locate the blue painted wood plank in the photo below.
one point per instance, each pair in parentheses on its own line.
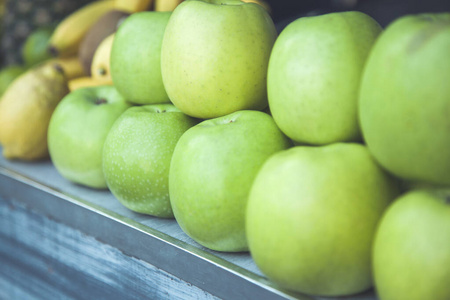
(44,259)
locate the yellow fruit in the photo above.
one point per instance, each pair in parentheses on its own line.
(100,67)
(71,66)
(82,82)
(166,5)
(133,6)
(25,111)
(69,33)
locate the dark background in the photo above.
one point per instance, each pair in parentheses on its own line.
(383,11)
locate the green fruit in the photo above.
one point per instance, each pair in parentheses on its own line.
(212,169)
(137,154)
(34,50)
(312,215)
(214,57)
(78,129)
(314,75)
(405,98)
(411,254)
(136,58)
(8,75)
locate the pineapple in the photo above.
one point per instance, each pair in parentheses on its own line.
(21,17)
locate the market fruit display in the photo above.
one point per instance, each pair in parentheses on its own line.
(312,214)
(77,132)
(405,97)
(206,76)
(314,75)
(136,58)
(411,251)
(25,111)
(319,153)
(137,155)
(226,153)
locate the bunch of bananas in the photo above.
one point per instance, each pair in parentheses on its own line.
(68,37)
(69,33)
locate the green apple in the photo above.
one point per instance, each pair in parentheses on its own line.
(214,57)
(137,154)
(212,169)
(312,215)
(314,75)
(136,58)
(35,46)
(405,98)
(78,129)
(411,255)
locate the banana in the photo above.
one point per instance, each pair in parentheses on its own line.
(166,5)
(83,82)
(69,33)
(71,66)
(100,67)
(132,6)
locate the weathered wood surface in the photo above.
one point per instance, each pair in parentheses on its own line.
(44,259)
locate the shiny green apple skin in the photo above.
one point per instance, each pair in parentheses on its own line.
(212,169)
(78,129)
(136,58)
(314,75)
(411,255)
(312,215)
(137,154)
(405,97)
(215,55)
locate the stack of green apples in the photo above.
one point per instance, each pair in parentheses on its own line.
(322,151)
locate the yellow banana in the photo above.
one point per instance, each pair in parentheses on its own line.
(82,82)
(166,5)
(69,33)
(133,6)
(71,66)
(100,67)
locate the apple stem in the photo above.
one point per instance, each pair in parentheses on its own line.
(100,101)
